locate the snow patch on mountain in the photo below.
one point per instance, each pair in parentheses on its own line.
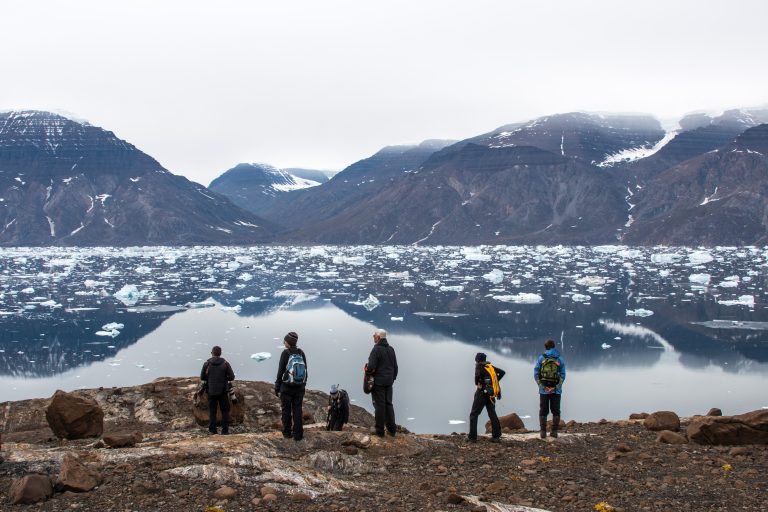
(636,153)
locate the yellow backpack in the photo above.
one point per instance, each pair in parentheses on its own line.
(491,383)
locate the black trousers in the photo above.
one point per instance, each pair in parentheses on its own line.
(383,409)
(222,402)
(481,401)
(337,421)
(290,402)
(550,402)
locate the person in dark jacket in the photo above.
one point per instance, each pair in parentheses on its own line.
(338,408)
(218,374)
(550,391)
(291,393)
(484,398)
(382,363)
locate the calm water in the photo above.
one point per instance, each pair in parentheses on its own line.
(640,329)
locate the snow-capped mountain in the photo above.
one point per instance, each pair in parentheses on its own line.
(64,182)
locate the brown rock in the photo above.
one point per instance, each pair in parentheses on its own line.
(224,493)
(510,421)
(358,440)
(236,410)
(351,450)
(638,415)
(454,499)
(122,440)
(749,428)
(669,437)
(623,448)
(74,476)
(496,487)
(300,496)
(715,412)
(662,420)
(30,489)
(739,451)
(267,490)
(71,416)
(270,497)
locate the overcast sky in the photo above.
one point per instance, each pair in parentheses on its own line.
(320,84)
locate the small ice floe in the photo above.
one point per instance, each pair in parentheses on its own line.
(702,279)
(113,326)
(456,422)
(112,332)
(664,258)
(139,365)
(520,298)
(261,356)
(729,282)
(605,346)
(495,276)
(578,297)
(699,258)
(432,282)
(410,419)
(113,364)
(526,417)
(251,299)
(129,295)
(399,275)
(235,309)
(370,303)
(50,304)
(29,290)
(591,281)
(208,303)
(744,300)
(457,288)
(639,312)
(396,319)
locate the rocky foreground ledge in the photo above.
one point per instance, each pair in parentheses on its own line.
(151,454)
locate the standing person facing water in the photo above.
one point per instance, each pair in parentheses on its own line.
(487,390)
(549,373)
(382,363)
(217,372)
(290,385)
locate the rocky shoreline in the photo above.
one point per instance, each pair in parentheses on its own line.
(152,455)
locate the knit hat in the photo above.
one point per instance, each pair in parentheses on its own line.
(292,338)
(334,389)
(480,357)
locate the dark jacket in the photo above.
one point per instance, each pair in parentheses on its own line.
(217,371)
(281,367)
(382,363)
(480,373)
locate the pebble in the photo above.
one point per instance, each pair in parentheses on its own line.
(225,493)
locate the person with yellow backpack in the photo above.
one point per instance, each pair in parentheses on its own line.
(487,379)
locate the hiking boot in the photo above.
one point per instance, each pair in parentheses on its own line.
(213,432)
(471,439)
(555,425)
(543,427)
(392,433)
(225,432)
(495,439)
(287,436)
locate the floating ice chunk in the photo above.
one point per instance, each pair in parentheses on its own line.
(520,298)
(578,297)
(702,279)
(143,269)
(251,299)
(318,251)
(730,282)
(591,281)
(351,260)
(744,300)
(113,333)
(399,275)
(639,312)
(370,303)
(665,258)
(396,319)
(112,326)
(605,346)
(699,258)
(432,282)
(457,288)
(29,290)
(456,422)
(475,254)
(261,356)
(129,294)
(208,303)
(51,304)
(495,276)
(235,309)
(245,276)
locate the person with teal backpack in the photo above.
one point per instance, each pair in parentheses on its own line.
(549,373)
(290,385)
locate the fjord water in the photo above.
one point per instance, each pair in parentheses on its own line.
(641,329)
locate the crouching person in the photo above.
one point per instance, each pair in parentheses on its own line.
(338,408)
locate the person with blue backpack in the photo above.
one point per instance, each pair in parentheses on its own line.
(290,385)
(549,373)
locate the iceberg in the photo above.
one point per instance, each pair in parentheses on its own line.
(639,312)
(744,300)
(702,279)
(578,297)
(370,303)
(208,303)
(495,276)
(520,298)
(129,295)
(261,356)
(605,346)
(113,326)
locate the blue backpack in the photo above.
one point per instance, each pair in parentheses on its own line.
(295,370)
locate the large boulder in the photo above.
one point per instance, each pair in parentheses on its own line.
(662,420)
(749,428)
(236,411)
(30,489)
(75,476)
(72,416)
(510,421)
